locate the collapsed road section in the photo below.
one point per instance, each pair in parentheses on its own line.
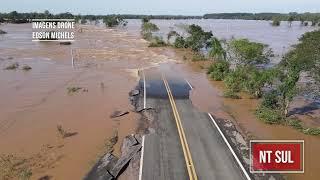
(176,141)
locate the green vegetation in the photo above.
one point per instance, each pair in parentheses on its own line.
(216,50)
(231,94)
(240,73)
(244,56)
(243,52)
(275,104)
(312,131)
(293,16)
(219,70)
(157,42)
(179,42)
(113,21)
(172,34)
(276,21)
(234,80)
(290,20)
(304,57)
(15,17)
(197,38)
(147,30)
(296,124)
(269,116)
(270,100)
(198,57)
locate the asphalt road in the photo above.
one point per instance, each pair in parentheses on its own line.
(166,149)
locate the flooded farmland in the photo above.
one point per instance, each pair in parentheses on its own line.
(106,63)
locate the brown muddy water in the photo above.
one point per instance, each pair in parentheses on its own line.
(33,103)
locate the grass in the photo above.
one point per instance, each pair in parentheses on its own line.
(12,66)
(312,131)
(231,94)
(296,124)
(198,57)
(272,116)
(268,115)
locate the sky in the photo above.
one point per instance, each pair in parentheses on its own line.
(172,7)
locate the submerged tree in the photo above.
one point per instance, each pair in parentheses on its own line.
(198,38)
(147,28)
(290,20)
(172,33)
(216,50)
(113,21)
(243,52)
(304,57)
(180,42)
(276,21)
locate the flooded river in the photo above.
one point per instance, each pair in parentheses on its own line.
(34,102)
(280,39)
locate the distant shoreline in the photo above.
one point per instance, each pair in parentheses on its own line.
(293,16)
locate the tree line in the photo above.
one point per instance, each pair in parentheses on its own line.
(294,16)
(16,17)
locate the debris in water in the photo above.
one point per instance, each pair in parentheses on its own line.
(65,43)
(134,92)
(13,66)
(63,133)
(26,68)
(2,32)
(76,89)
(46,177)
(118,114)
(143,109)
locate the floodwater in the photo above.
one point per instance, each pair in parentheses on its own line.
(33,103)
(280,39)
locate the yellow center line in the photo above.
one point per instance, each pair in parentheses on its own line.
(185,148)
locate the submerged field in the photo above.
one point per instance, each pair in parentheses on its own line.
(34,102)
